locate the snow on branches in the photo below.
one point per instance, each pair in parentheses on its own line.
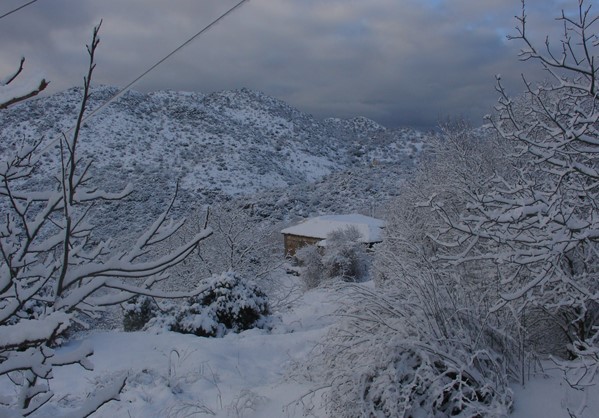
(539,224)
(14,90)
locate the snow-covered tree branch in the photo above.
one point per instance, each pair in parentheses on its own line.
(13,92)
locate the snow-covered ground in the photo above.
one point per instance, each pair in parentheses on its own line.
(548,395)
(177,375)
(250,374)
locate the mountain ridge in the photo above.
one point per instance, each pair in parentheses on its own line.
(221,145)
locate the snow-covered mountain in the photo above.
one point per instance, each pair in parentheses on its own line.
(229,143)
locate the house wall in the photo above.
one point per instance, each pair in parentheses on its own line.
(295,242)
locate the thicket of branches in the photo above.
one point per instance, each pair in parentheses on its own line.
(54,273)
(243,241)
(544,221)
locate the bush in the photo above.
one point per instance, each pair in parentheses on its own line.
(312,269)
(383,359)
(228,304)
(343,258)
(137,312)
(412,380)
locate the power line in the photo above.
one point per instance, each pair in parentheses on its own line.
(180,47)
(17,9)
(146,72)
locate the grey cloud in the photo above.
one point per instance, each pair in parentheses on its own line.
(400,62)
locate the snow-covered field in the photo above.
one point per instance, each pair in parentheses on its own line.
(175,375)
(251,374)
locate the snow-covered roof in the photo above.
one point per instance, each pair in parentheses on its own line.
(321,226)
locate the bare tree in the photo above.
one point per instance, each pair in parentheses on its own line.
(477,242)
(242,242)
(54,273)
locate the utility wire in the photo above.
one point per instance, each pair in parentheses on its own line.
(142,75)
(180,47)
(17,9)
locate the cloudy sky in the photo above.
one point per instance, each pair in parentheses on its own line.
(399,62)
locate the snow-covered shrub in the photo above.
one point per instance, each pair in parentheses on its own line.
(311,268)
(344,256)
(413,380)
(228,303)
(164,318)
(425,343)
(137,312)
(414,262)
(385,360)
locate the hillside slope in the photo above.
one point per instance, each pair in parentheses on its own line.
(234,142)
(230,144)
